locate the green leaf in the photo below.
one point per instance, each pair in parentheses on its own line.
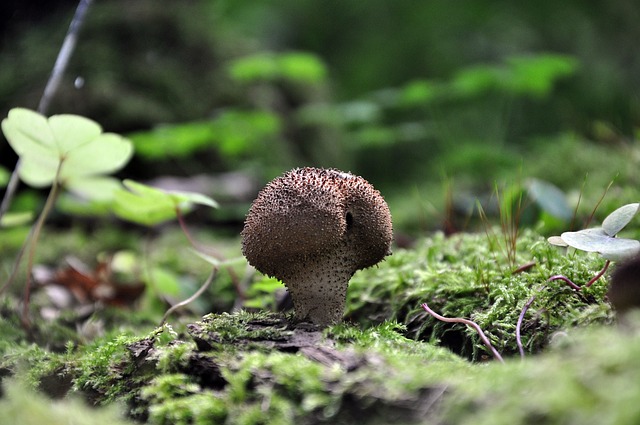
(234,132)
(72,131)
(536,74)
(12,219)
(104,154)
(72,143)
(4,177)
(163,281)
(419,92)
(95,188)
(299,67)
(550,199)
(28,133)
(302,67)
(618,219)
(595,240)
(148,205)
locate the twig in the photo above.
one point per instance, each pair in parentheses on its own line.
(203,249)
(199,292)
(50,89)
(467,322)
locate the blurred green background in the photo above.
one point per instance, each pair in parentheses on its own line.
(437,103)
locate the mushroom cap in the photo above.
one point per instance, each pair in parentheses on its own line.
(309,214)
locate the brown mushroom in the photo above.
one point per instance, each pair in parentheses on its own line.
(313,229)
(624,288)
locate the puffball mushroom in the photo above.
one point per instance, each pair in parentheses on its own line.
(624,288)
(312,229)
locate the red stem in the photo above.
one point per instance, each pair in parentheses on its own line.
(519,324)
(467,322)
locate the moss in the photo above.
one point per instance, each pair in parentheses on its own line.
(22,405)
(591,377)
(176,399)
(469,275)
(221,331)
(394,366)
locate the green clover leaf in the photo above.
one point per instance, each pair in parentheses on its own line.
(71,146)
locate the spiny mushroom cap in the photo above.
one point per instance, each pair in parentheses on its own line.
(313,228)
(312,213)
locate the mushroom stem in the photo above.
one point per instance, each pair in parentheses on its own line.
(319,294)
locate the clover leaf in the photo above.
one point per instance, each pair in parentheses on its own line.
(603,239)
(70,146)
(148,205)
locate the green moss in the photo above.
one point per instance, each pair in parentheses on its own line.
(176,399)
(388,363)
(22,405)
(221,331)
(469,275)
(591,377)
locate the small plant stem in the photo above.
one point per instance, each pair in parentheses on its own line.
(566,280)
(588,284)
(33,242)
(519,324)
(467,322)
(50,89)
(199,292)
(593,212)
(575,210)
(569,282)
(199,247)
(599,274)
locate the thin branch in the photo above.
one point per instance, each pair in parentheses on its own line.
(467,322)
(68,45)
(239,288)
(199,292)
(50,89)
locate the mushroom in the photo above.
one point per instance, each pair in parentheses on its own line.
(624,288)
(312,229)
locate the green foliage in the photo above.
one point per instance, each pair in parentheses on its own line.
(532,75)
(298,67)
(146,205)
(234,133)
(261,293)
(68,149)
(4,177)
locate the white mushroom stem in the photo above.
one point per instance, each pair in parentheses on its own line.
(318,287)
